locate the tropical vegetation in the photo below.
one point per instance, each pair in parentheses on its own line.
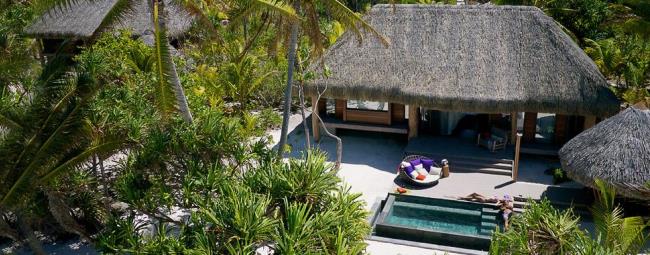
(137,149)
(544,229)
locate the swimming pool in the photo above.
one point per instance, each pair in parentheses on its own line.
(437,221)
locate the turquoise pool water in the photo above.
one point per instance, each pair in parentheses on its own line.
(438,221)
(453,220)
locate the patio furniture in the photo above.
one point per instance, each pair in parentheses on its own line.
(430,179)
(497,139)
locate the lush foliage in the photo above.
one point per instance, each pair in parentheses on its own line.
(17,63)
(93,146)
(543,229)
(299,209)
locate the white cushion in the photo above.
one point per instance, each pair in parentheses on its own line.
(435,170)
(429,179)
(414,174)
(420,169)
(432,178)
(405,164)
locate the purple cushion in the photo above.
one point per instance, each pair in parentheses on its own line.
(427,163)
(415,162)
(409,169)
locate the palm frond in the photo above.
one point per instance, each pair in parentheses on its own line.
(278,7)
(120,10)
(624,235)
(39,157)
(352,20)
(43,6)
(195,10)
(8,122)
(80,158)
(51,142)
(169,92)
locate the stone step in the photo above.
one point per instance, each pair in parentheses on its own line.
(489,218)
(439,157)
(474,165)
(504,166)
(488,228)
(489,170)
(436,208)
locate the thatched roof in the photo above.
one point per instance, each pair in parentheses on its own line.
(82,19)
(617,150)
(467,58)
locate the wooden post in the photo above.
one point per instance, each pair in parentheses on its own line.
(314,119)
(515,167)
(397,111)
(339,108)
(560,128)
(590,121)
(530,126)
(513,127)
(414,119)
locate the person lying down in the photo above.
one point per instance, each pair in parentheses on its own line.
(506,205)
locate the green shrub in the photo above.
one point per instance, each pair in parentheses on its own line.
(560,176)
(540,229)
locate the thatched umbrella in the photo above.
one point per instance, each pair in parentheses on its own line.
(489,59)
(83,18)
(617,150)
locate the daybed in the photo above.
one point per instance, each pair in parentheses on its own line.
(433,170)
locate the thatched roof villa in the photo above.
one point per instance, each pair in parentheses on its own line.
(82,20)
(617,150)
(472,59)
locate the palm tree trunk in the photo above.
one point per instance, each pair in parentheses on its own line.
(61,213)
(293,44)
(301,94)
(304,119)
(102,176)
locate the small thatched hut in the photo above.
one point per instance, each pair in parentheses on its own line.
(472,59)
(617,150)
(83,18)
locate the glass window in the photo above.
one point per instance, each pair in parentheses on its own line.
(367,105)
(545,128)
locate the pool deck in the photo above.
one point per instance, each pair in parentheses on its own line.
(369,166)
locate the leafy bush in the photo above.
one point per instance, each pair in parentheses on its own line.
(300,209)
(559,176)
(268,118)
(542,229)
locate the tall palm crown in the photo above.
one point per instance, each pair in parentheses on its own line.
(49,134)
(294,16)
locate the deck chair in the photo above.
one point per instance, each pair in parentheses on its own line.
(497,140)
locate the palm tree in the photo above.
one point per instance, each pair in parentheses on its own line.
(170,96)
(302,16)
(621,235)
(46,137)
